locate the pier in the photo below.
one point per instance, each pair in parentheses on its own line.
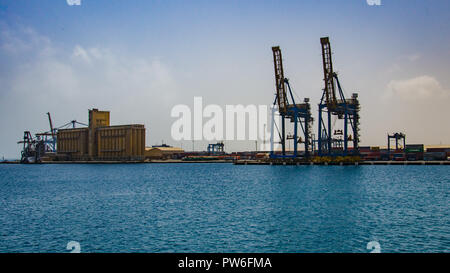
(255,162)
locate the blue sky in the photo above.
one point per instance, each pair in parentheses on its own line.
(140,58)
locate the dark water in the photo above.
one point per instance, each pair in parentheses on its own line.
(224,208)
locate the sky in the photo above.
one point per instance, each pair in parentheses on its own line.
(138,59)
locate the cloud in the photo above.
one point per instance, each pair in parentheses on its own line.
(80,52)
(41,68)
(403,63)
(419,88)
(22,40)
(66,81)
(413,57)
(418,107)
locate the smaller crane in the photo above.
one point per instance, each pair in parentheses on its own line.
(216,148)
(396,137)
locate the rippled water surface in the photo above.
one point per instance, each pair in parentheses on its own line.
(224,208)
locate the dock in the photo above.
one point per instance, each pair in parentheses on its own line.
(243,162)
(256,162)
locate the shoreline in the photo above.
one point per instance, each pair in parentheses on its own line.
(243,162)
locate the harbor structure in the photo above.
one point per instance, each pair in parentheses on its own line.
(101,141)
(297,113)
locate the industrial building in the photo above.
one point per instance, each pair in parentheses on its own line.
(101,141)
(163,152)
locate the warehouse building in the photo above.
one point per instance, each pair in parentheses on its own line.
(163,152)
(101,141)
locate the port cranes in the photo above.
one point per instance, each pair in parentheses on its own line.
(216,148)
(35,148)
(299,114)
(32,148)
(334,104)
(48,138)
(397,137)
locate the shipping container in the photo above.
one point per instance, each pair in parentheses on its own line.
(431,150)
(435,156)
(414,156)
(414,148)
(372,158)
(364,148)
(398,156)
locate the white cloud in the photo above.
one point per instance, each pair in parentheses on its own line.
(418,88)
(403,63)
(23,40)
(417,106)
(79,52)
(42,77)
(413,57)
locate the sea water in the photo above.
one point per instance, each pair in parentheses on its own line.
(211,207)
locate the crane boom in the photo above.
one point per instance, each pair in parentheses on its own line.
(330,89)
(279,80)
(51,125)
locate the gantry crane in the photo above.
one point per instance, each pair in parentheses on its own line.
(216,148)
(43,143)
(332,105)
(32,148)
(396,137)
(35,148)
(299,114)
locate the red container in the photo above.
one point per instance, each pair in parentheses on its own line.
(364,149)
